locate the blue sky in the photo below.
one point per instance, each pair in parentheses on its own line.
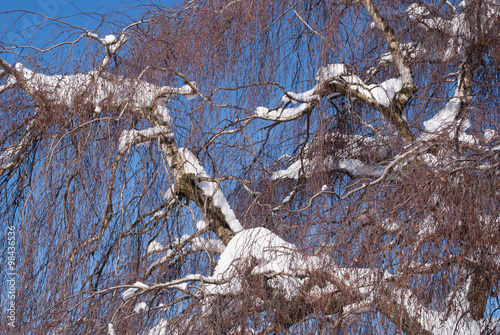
(67,7)
(69,11)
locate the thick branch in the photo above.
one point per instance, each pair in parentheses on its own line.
(408,88)
(187,186)
(393,45)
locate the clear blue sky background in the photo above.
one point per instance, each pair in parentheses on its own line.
(63,7)
(68,10)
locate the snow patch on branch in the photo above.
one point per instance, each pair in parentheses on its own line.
(305,167)
(154,246)
(446,117)
(382,94)
(457,322)
(210,189)
(293,97)
(129,293)
(160,328)
(140,306)
(267,254)
(282,113)
(132,137)
(109,39)
(456,33)
(95,88)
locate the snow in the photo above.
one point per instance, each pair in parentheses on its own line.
(282,113)
(416,11)
(268,254)
(261,111)
(161,260)
(187,88)
(330,72)
(158,214)
(162,110)
(445,117)
(269,251)
(456,321)
(111,329)
(430,160)
(129,137)
(160,328)
(209,245)
(307,96)
(9,155)
(170,193)
(201,224)
(154,246)
(129,293)
(210,189)
(353,166)
(140,306)
(293,171)
(385,93)
(382,94)
(182,287)
(490,134)
(108,39)
(67,90)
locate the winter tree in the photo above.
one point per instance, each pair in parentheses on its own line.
(253,167)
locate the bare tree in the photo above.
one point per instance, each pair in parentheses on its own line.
(252,167)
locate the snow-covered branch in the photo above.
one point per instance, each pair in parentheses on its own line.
(468,24)
(259,252)
(93,88)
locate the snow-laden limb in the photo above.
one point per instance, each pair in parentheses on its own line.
(381,94)
(444,118)
(389,97)
(132,137)
(301,104)
(283,114)
(182,246)
(468,24)
(267,254)
(259,252)
(211,189)
(154,246)
(456,320)
(376,94)
(286,268)
(129,293)
(305,167)
(449,119)
(94,88)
